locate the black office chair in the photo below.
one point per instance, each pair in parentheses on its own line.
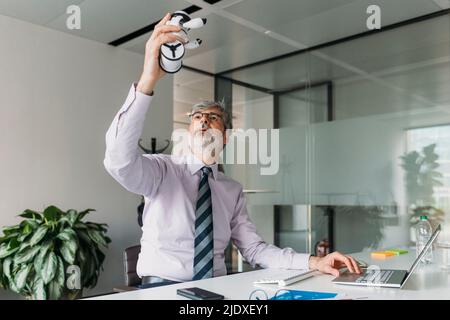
(132,280)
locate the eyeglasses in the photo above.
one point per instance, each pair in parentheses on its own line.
(281,294)
(211,116)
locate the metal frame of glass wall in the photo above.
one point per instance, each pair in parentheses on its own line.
(223,90)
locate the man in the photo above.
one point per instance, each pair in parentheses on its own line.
(191,209)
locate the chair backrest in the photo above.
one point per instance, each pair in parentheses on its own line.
(130,257)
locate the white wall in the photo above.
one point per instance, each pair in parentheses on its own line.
(58,95)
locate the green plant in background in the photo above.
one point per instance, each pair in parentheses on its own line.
(36,254)
(366,223)
(421,178)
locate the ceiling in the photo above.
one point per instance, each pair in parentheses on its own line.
(240,32)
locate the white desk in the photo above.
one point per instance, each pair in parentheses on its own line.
(428,282)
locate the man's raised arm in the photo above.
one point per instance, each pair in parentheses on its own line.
(138,174)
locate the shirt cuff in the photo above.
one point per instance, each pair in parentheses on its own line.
(138,92)
(135,97)
(144,98)
(140,102)
(301,261)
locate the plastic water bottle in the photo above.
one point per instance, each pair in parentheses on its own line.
(423,234)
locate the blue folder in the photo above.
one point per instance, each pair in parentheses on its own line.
(303,295)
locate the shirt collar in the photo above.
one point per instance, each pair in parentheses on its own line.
(194,165)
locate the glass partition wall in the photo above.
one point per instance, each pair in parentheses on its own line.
(364,140)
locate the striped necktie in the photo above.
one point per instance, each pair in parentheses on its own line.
(204,240)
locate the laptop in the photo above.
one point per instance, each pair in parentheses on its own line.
(385,277)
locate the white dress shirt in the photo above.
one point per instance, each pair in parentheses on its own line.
(170,190)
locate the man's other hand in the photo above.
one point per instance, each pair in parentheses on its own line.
(332,262)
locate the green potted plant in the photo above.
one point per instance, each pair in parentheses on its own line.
(421,177)
(53,254)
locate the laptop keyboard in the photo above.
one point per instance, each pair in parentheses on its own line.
(376,276)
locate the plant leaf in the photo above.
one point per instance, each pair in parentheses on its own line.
(23,246)
(68,250)
(22,238)
(26,229)
(94,278)
(3,278)
(11,236)
(15,268)
(80,225)
(82,235)
(38,260)
(67,234)
(49,267)
(7,267)
(52,213)
(39,289)
(38,235)
(13,287)
(81,256)
(83,213)
(101,257)
(82,260)
(88,269)
(54,290)
(93,225)
(103,229)
(89,274)
(60,274)
(30,214)
(25,256)
(97,237)
(13,243)
(5,249)
(93,256)
(72,216)
(10,230)
(21,276)
(33,224)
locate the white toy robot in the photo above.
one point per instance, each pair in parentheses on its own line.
(171,53)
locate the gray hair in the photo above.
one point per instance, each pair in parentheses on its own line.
(205,104)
